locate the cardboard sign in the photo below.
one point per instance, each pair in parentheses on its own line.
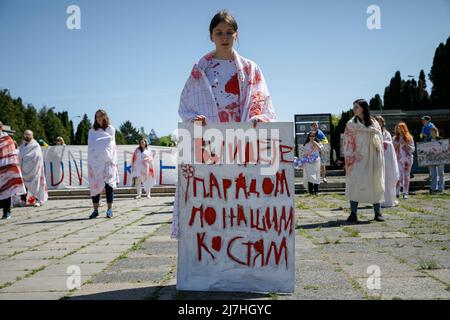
(433,153)
(236,221)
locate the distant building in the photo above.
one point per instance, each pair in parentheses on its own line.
(439,117)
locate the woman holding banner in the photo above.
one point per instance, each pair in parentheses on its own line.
(364,161)
(143,168)
(404,149)
(102,162)
(310,161)
(391,172)
(437,171)
(224,86)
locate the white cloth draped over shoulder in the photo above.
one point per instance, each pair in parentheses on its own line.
(142,166)
(11,181)
(391,171)
(32,167)
(102,160)
(364,162)
(310,162)
(197,98)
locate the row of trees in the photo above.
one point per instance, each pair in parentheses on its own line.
(48,125)
(412,94)
(408,94)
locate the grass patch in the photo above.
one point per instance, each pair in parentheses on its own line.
(351,232)
(315,288)
(272,296)
(429,264)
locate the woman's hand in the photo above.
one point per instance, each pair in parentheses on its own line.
(201,119)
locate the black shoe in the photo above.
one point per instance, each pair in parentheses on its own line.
(352,218)
(94,215)
(6,216)
(378,217)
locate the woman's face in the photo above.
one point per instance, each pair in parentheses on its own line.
(99,118)
(357,110)
(223,36)
(312,136)
(142,144)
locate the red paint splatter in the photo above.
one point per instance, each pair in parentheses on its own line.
(232,85)
(217,243)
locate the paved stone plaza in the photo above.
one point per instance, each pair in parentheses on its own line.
(132,256)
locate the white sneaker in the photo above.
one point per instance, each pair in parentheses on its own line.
(137,197)
(405,196)
(37,204)
(149,196)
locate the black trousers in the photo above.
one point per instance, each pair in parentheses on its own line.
(109,195)
(6,205)
(313,188)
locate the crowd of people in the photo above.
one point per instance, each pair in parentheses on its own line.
(22,172)
(224,87)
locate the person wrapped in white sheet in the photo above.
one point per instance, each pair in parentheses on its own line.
(310,162)
(364,161)
(32,166)
(102,162)
(224,87)
(11,181)
(143,168)
(391,172)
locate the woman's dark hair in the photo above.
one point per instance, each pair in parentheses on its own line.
(365,106)
(223,16)
(309,135)
(105,122)
(146,143)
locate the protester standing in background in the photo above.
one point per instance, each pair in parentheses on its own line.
(404,149)
(437,171)
(143,168)
(391,172)
(32,165)
(11,181)
(102,162)
(310,162)
(60,141)
(323,140)
(364,161)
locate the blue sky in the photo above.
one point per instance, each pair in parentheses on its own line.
(133,57)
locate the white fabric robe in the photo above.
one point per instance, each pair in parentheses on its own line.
(11,180)
(142,166)
(32,166)
(102,160)
(311,169)
(391,172)
(364,162)
(197,99)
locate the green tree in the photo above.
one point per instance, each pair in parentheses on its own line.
(393,93)
(34,123)
(130,133)
(68,125)
(52,125)
(424,97)
(376,103)
(120,139)
(440,76)
(153,138)
(81,135)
